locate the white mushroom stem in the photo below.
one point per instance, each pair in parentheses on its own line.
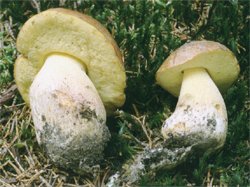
(68,113)
(200,116)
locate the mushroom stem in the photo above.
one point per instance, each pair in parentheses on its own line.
(200,116)
(68,113)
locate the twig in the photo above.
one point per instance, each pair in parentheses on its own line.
(146,132)
(4,183)
(136,110)
(24,174)
(34,177)
(29,159)
(19,165)
(36,5)
(18,171)
(44,181)
(8,94)
(208,178)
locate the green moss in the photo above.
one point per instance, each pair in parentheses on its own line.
(147,32)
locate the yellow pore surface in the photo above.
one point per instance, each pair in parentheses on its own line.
(77,35)
(215,58)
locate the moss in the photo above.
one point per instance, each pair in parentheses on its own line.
(146,32)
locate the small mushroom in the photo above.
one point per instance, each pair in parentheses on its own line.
(70,72)
(192,73)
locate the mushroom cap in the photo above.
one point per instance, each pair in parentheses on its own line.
(218,60)
(77,35)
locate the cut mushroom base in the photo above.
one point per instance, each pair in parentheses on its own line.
(200,116)
(68,114)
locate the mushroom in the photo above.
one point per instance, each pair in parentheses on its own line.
(71,73)
(192,73)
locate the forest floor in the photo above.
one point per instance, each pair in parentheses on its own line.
(146,32)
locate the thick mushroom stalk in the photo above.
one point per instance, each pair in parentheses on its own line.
(200,116)
(68,113)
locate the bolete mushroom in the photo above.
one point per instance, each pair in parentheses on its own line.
(70,70)
(192,73)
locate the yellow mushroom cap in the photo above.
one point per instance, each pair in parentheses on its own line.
(77,35)
(218,60)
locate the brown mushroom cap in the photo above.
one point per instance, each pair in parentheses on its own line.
(77,35)
(218,60)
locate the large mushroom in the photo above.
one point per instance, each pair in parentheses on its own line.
(70,72)
(192,73)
